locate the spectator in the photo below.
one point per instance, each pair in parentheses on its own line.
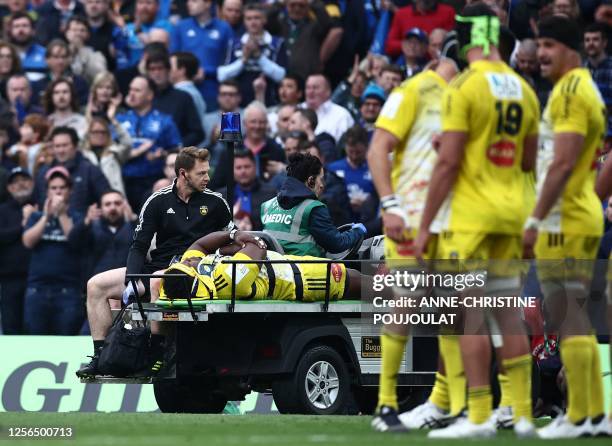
(11,7)
(231,12)
(208,38)
(91,182)
(54,280)
(603,13)
(249,192)
(568,8)
(290,92)
(62,108)
(229,101)
(101,150)
(53,17)
(436,40)
(347,38)
(599,64)
(332,118)
(21,35)
(423,14)
(348,92)
(105,35)
(106,233)
(282,124)
(183,70)
(255,54)
(58,59)
(353,169)
(305,120)
(265,151)
(391,76)
(14,257)
(19,95)
(371,104)
(306,27)
(414,47)
(169,173)
(373,65)
(153,135)
(86,62)
(103,94)
(171,101)
(528,67)
(138,32)
(10,64)
(32,132)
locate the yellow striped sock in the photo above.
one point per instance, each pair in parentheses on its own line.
(504,387)
(455,375)
(479,402)
(577,356)
(518,371)
(392,350)
(596,393)
(439,394)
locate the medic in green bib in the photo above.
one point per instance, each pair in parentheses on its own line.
(298,220)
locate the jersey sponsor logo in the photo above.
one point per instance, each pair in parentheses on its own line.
(214,34)
(336,272)
(170,211)
(502,153)
(504,86)
(154,126)
(391,107)
(406,248)
(203,210)
(277,218)
(191,33)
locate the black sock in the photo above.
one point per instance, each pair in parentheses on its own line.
(98,345)
(157,340)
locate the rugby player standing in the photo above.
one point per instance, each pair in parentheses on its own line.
(489,122)
(566,225)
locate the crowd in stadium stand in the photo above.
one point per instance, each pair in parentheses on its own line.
(96,97)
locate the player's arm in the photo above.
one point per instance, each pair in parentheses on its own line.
(452,148)
(530,143)
(603,187)
(217,240)
(530,153)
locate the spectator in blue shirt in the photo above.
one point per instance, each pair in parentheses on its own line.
(183,69)
(254,54)
(153,135)
(353,169)
(138,32)
(21,34)
(208,38)
(53,301)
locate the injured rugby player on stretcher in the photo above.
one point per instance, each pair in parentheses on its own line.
(201,266)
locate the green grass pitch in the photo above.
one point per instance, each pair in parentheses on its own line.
(156,429)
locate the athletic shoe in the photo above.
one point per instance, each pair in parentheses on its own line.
(425,416)
(502,416)
(464,428)
(562,427)
(524,428)
(386,420)
(91,369)
(601,428)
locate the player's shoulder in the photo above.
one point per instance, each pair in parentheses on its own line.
(464,78)
(578,82)
(212,196)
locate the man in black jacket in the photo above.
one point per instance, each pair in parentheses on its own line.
(249,192)
(173,102)
(14,257)
(177,215)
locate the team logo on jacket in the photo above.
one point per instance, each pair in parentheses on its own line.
(336,272)
(203,210)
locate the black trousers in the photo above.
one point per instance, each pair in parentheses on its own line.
(12,293)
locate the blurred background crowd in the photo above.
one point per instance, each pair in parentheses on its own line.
(97,96)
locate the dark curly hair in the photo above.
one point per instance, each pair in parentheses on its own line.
(302,166)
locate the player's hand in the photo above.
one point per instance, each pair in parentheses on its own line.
(128,294)
(420,244)
(360,227)
(529,240)
(243,238)
(393,226)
